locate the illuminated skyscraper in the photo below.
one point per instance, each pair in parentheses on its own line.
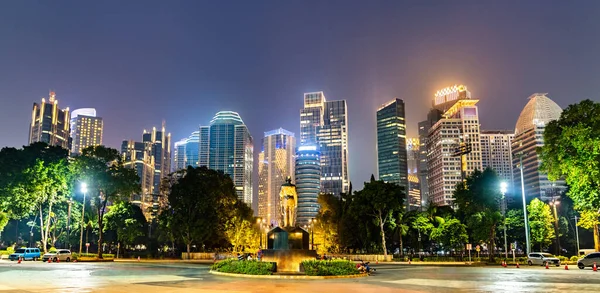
(187,151)
(86,129)
(391,144)
(414,186)
(496,154)
(529,135)
(308,182)
(161,151)
(275,164)
(226,145)
(325,124)
(457,130)
(50,124)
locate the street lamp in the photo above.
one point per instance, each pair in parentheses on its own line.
(577,234)
(503,188)
(528,250)
(554,203)
(312,223)
(84,190)
(261,222)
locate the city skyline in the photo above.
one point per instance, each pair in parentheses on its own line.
(494,58)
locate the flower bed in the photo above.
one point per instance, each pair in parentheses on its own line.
(246,267)
(329,267)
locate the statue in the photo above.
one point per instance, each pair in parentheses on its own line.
(288,199)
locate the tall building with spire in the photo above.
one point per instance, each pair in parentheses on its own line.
(86,129)
(226,145)
(453,142)
(392,159)
(529,135)
(50,124)
(275,163)
(325,124)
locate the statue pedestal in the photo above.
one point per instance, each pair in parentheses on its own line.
(288,247)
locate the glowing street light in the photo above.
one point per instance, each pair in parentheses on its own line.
(503,189)
(554,203)
(84,190)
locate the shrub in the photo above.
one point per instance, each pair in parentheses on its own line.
(5,252)
(562,258)
(329,268)
(245,267)
(574,258)
(91,255)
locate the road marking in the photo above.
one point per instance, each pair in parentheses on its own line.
(487,285)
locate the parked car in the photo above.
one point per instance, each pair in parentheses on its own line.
(542,258)
(25,253)
(589,260)
(61,254)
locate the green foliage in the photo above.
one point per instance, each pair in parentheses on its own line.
(245,267)
(574,258)
(127,220)
(329,268)
(477,201)
(451,234)
(3,220)
(572,151)
(540,223)
(76,255)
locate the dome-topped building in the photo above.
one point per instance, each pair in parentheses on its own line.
(529,135)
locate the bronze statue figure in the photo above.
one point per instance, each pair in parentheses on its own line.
(288,199)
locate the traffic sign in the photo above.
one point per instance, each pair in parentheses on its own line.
(477,248)
(87,244)
(469,246)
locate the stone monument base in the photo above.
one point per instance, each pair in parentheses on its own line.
(288,260)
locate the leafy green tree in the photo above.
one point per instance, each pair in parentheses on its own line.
(515,226)
(379,201)
(572,151)
(540,223)
(127,220)
(451,234)
(108,180)
(477,201)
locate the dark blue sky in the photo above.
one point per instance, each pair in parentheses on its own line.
(138,62)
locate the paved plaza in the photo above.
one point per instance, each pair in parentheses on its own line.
(195,277)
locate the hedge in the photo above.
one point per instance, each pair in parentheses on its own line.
(245,267)
(329,267)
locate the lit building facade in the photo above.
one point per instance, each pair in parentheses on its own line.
(86,129)
(50,124)
(458,127)
(413,146)
(529,135)
(392,162)
(187,151)
(308,182)
(226,145)
(275,163)
(138,156)
(161,151)
(496,154)
(413,196)
(325,124)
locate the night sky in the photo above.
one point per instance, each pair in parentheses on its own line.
(139,62)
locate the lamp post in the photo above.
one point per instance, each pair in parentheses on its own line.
(503,187)
(554,203)
(261,223)
(312,223)
(69,224)
(84,191)
(577,234)
(528,248)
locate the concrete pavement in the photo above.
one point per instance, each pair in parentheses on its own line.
(149,277)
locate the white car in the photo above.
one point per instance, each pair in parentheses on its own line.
(60,254)
(589,260)
(542,258)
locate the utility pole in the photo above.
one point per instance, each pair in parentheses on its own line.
(577,235)
(528,247)
(554,203)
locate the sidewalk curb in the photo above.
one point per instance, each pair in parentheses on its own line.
(288,277)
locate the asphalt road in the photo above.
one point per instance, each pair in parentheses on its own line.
(183,277)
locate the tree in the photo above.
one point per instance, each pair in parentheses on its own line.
(572,151)
(540,223)
(451,234)
(379,200)
(127,220)
(478,200)
(199,204)
(108,180)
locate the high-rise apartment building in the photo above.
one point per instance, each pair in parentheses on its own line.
(453,143)
(50,124)
(529,135)
(276,162)
(151,158)
(86,129)
(138,156)
(423,172)
(496,154)
(187,151)
(414,196)
(308,182)
(392,160)
(413,146)
(325,124)
(226,145)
